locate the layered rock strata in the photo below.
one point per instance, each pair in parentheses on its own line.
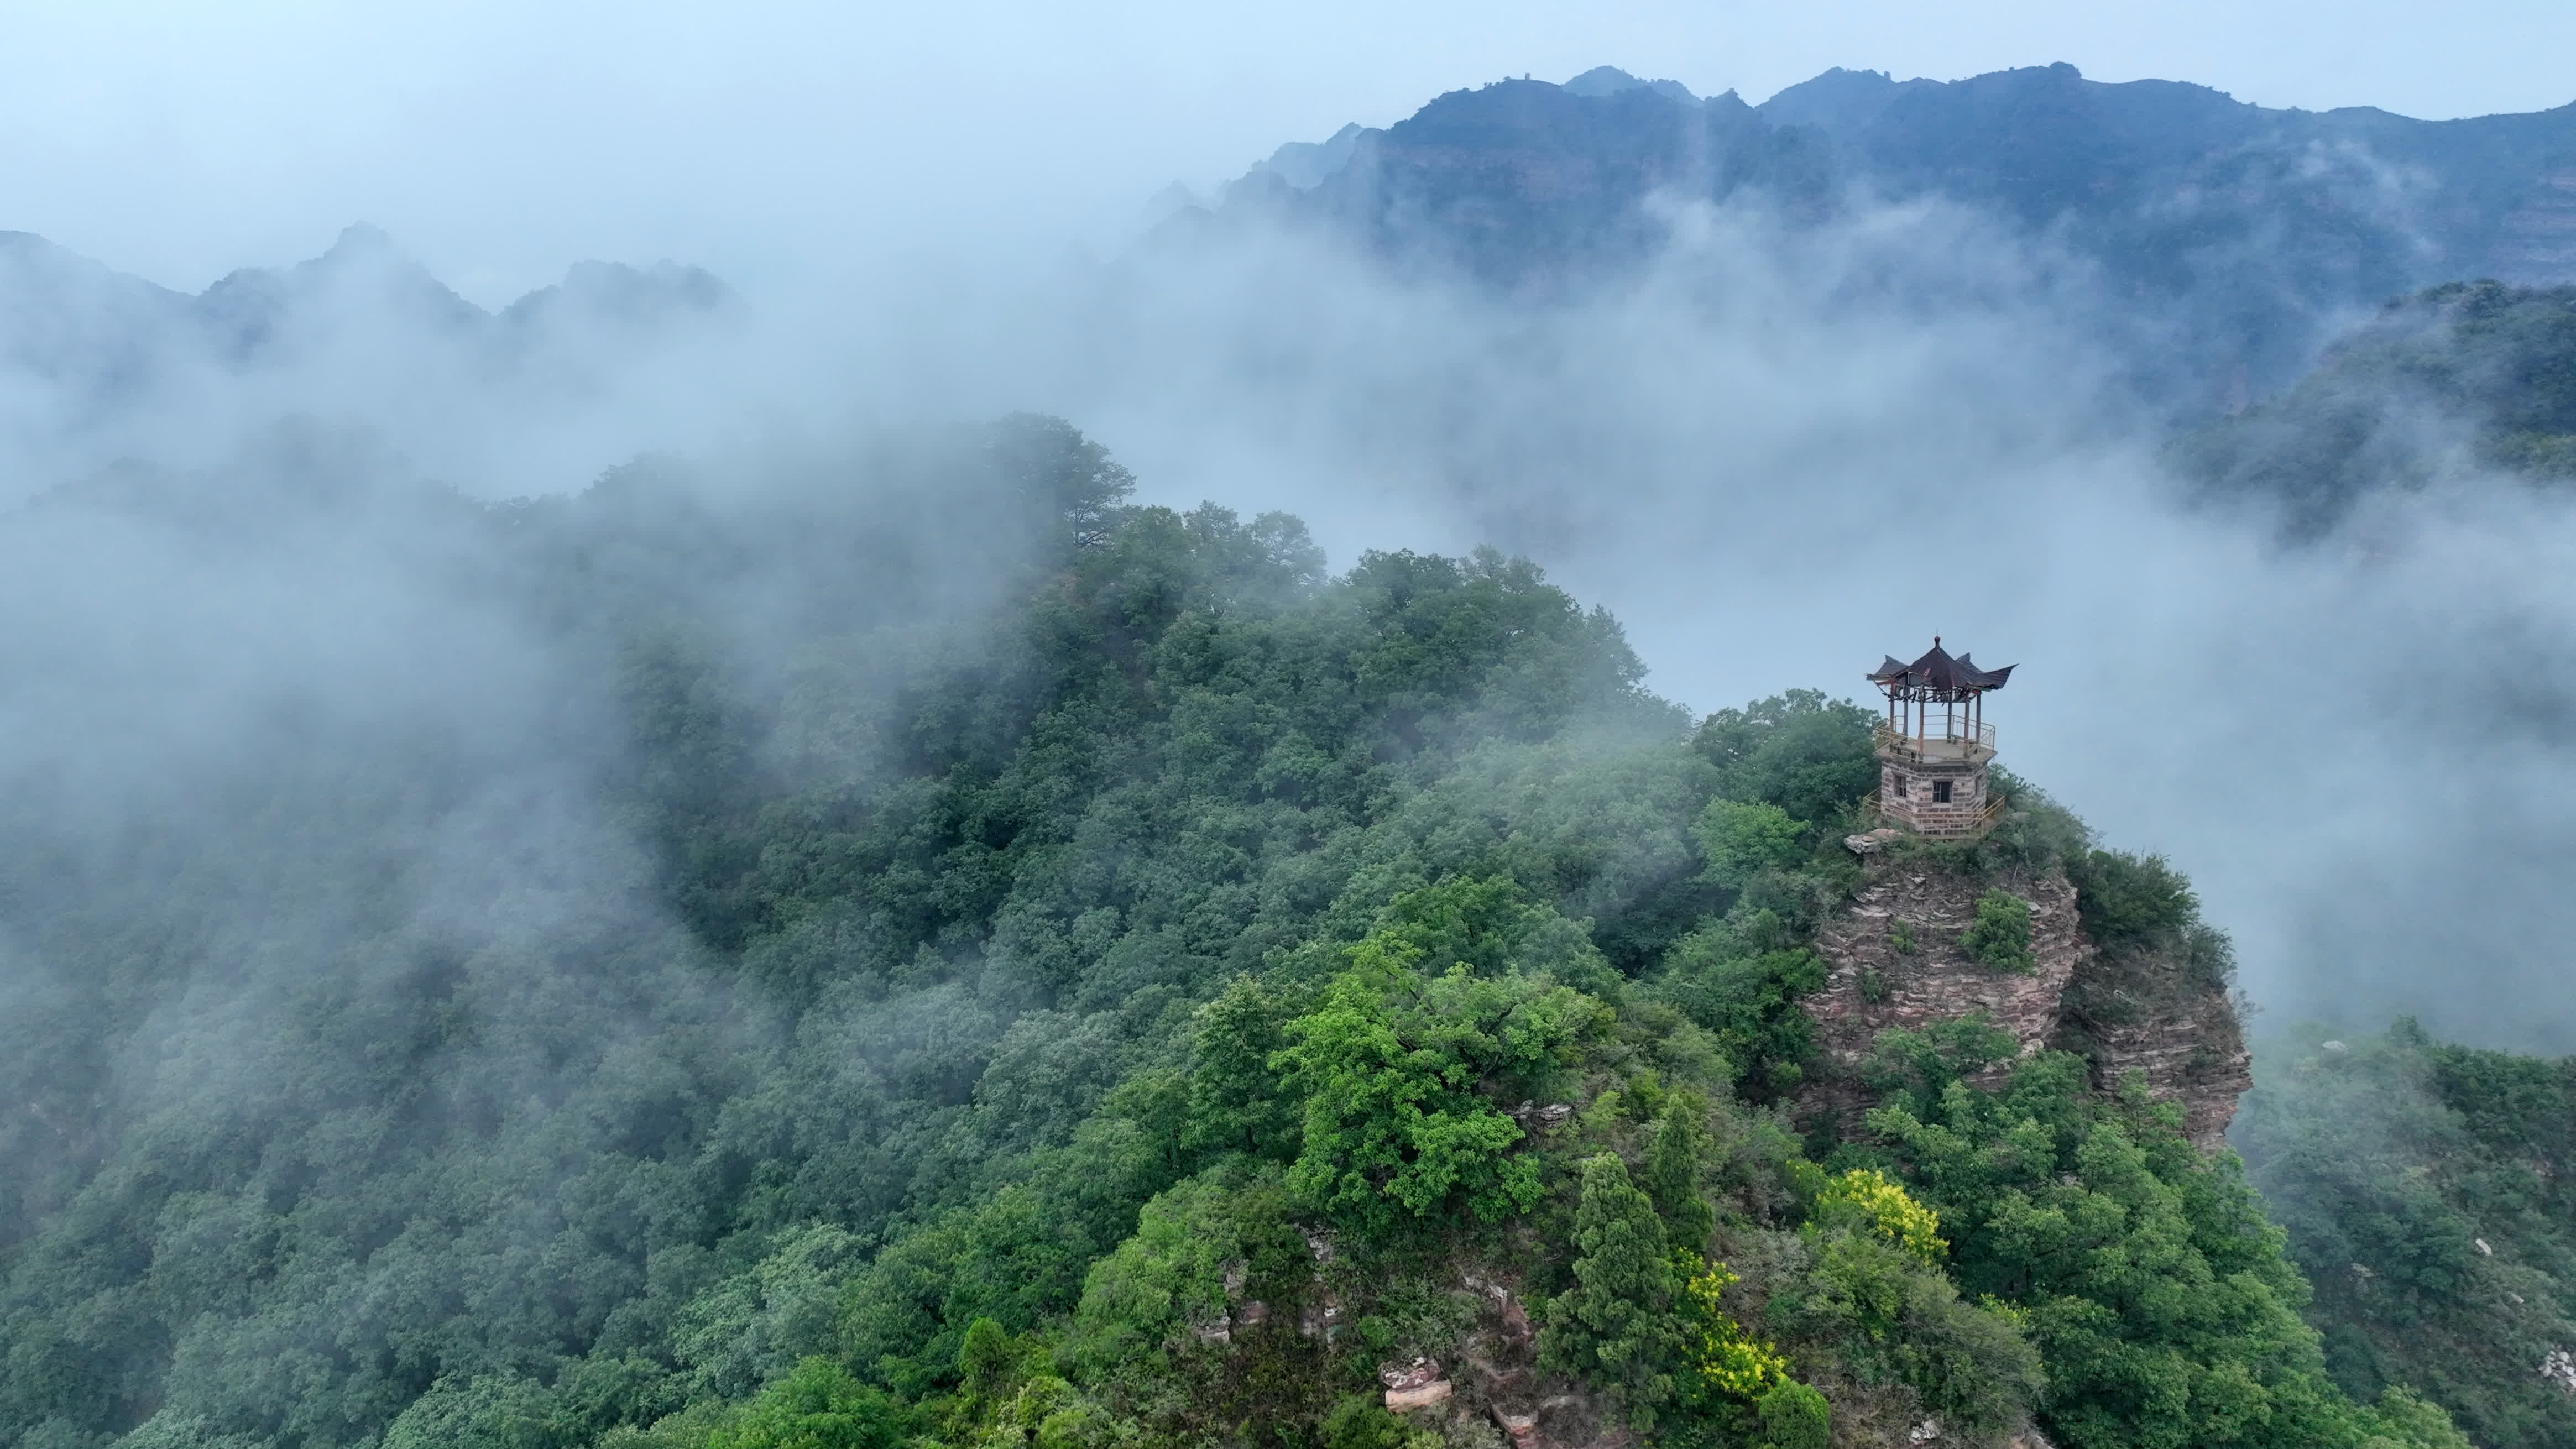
(1893,959)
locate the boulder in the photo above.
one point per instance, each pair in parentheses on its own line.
(1420,1397)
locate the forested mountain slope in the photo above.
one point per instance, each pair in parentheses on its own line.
(2424,1187)
(738,958)
(2465,377)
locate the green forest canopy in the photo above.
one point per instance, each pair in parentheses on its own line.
(1034,949)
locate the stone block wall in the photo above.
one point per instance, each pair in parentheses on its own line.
(1906,790)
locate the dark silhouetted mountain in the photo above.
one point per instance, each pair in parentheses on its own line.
(1524,180)
(2245,234)
(1839,102)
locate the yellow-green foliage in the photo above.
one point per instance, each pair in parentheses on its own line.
(1717,1348)
(1866,1197)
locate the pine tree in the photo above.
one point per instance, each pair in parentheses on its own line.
(1615,1327)
(1672,1178)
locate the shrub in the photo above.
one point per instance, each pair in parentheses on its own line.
(1795,1416)
(2129,899)
(2000,935)
(1721,1356)
(1361,1422)
(1872,1202)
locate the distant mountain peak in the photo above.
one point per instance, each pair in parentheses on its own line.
(1838,102)
(364,239)
(372,328)
(1305,164)
(1610,80)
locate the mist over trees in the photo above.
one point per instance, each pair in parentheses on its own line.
(2465,378)
(855,935)
(914,944)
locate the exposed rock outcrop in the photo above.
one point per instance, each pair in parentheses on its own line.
(1497,1378)
(1893,959)
(2132,1015)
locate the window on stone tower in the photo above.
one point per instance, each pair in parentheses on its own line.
(1940,792)
(1900,785)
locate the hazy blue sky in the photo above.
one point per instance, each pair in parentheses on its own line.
(500,138)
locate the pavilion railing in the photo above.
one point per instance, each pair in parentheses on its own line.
(1945,736)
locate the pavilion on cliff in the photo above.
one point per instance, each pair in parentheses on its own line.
(1935,744)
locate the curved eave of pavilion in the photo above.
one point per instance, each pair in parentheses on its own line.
(1938,677)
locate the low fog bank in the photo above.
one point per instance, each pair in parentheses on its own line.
(1778,455)
(97,367)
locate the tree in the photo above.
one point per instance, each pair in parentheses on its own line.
(988,1363)
(1063,472)
(1170,1278)
(1235,1101)
(1393,1069)
(1735,979)
(1800,751)
(2129,899)
(817,1406)
(1672,1176)
(497,1411)
(1741,840)
(2156,1293)
(1615,1328)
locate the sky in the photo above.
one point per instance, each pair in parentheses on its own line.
(776,142)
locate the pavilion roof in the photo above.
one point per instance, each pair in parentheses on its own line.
(1938,671)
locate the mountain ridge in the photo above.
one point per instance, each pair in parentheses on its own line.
(2248,234)
(98,367)
(241,317)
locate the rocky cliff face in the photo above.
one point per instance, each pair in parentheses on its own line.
(2153,1011)
(1484,1389)
(1893,959)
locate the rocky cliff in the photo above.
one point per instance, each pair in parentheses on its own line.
(1893,959)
